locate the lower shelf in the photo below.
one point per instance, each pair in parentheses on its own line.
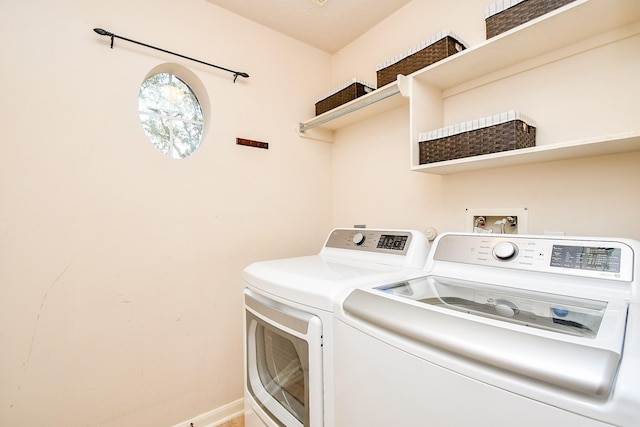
(610,144)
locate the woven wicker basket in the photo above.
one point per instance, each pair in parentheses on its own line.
(512,134)
(443,45)
(342,95)
(500,19)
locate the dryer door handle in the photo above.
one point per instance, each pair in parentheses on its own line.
(278,314)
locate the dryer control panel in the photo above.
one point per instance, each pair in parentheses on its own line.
(401,248)
(602,259)
(386,241)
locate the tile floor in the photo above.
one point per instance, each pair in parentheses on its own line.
(236,422)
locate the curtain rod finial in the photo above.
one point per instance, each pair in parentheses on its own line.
(102,32)
(240,74)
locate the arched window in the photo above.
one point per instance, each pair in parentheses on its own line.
(171,115)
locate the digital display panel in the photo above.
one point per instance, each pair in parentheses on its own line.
(586,258)
(388,241)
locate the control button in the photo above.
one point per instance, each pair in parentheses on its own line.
(431,233)
(506,308)
(504,251)
(560,312)
(358,239)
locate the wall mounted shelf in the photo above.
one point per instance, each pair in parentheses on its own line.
(611,144)
(578,27)
(378,101)
(566,26)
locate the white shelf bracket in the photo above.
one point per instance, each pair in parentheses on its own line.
(404,84)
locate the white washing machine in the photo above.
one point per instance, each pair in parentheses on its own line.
(500,331)
(289,320)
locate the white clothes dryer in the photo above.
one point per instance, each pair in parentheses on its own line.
(289,321)
(501,330)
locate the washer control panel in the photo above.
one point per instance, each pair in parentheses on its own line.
(604,259)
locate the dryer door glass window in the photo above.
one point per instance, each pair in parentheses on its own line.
(278,370)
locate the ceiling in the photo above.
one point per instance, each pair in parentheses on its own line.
(328,25)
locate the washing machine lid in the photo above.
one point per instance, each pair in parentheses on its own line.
(573,343)
(573,316)
(318,280)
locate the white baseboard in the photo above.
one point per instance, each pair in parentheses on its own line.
(216,416)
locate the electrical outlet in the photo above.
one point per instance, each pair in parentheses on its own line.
(497,221)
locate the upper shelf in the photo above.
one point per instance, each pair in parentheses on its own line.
(570,24)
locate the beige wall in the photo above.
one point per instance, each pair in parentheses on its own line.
(120,292)
(574,95)
(120,268)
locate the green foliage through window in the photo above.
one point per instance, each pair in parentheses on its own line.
(171,115)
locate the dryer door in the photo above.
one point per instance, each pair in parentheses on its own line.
(284,370)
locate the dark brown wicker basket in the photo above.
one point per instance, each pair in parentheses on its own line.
(519,14)
(435,52)
(506,136)
(349,93)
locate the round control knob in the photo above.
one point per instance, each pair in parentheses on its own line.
(504,251)
(358,239)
